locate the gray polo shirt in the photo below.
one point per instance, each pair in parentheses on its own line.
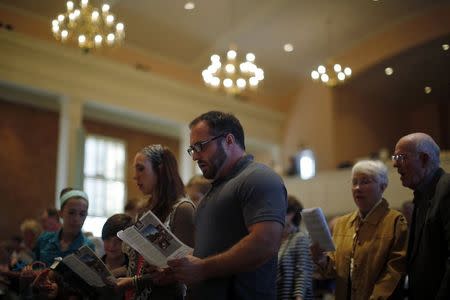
(250,194)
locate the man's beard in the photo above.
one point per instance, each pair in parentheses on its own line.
(216,163)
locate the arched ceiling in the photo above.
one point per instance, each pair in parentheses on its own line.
(164,37)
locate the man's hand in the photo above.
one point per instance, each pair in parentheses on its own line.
(188,269)
(163,276)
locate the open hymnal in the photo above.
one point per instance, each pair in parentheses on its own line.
(87,265)
(153,240)
(317,227)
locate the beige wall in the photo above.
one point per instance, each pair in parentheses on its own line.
(310,124)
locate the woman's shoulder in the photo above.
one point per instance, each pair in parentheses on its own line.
(184,204)
(345,219)
(395,216)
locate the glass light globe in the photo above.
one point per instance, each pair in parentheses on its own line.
(259,74)
(109,19)
(250,57)
(228,83)
(231,54)
(215,57)
(337,68)
(321,69)
(215,81)
(241,83)
(253,81)
(105,8)
(81,39)
(348,71)
(230,68)
(98,39)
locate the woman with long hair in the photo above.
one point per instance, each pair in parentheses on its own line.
(156,175)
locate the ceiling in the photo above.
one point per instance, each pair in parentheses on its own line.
(319,30)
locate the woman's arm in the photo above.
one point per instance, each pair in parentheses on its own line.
(396,262)
(183,223)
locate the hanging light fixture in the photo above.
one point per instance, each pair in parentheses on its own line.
(331,75)
(231,74)
(88,26)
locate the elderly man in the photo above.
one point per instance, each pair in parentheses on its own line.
(239,222)
(417,161)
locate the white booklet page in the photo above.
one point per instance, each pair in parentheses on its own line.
(154,241)
(317,227)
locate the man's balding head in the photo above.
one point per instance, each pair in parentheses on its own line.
(416,158)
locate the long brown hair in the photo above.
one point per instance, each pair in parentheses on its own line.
(169,186)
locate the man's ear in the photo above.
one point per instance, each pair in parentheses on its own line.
(229,139)
(424,159)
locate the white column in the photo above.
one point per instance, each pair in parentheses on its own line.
(69,170)
(186,164)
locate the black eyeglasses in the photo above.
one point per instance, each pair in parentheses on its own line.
(198,147)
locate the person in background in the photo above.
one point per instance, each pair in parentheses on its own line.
(132,207)
(370,256)
(295,267)
(74,208)
(197,187)
(30,230)
(239,223)
(417,161)
(50,220)
(156,175)
(114,258)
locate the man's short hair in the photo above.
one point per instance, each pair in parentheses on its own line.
(374,168)
(221,123)
(424,143)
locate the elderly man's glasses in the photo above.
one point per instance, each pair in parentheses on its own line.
(399,157)
(199,146)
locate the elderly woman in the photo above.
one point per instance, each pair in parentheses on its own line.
(369,260)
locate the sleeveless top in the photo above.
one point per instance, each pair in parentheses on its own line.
(137,263)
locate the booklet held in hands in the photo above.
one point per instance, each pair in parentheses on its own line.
(87,265)
(154,241)
(317,227)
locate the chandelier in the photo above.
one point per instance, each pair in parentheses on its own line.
(88,26)
(331,75)
(231,74)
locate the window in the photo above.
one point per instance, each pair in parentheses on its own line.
(104,180)
(307,164)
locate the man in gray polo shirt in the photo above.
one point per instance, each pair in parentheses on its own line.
(239,222)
